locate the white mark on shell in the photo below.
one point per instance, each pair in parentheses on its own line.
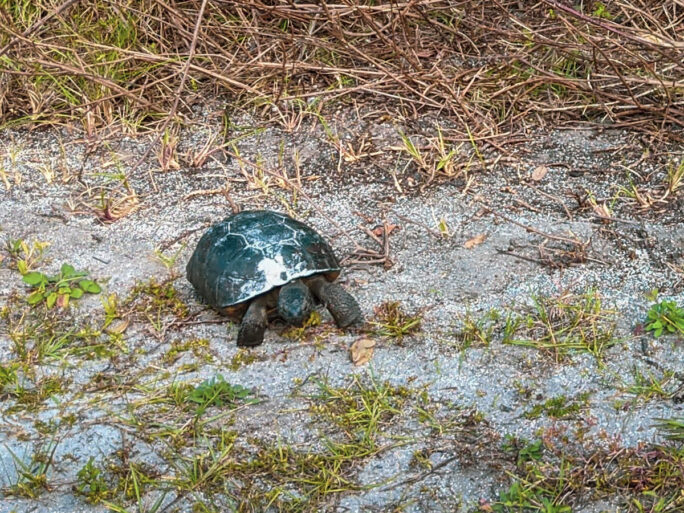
(274,270)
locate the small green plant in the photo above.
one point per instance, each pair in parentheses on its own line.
(159,303)
(601,11)
(675,177)
(26,256)
(477,332)
(439,159)
(394,322)
(198,346)
(526,450)
(298,333)
(8,376)
(361,409)
(217,391)
(523,496)
(665,317)
(647,386)
(30,396)
(169,261)
(111,309)
(91,483)
(60,288)
(559,407)
(32,475)
(242,357)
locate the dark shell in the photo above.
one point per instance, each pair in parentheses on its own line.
(250,253)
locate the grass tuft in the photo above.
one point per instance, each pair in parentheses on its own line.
(565,325)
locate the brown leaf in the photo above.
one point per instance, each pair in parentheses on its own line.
(361,351)
(539,173)
(118,327)
(62,301)
(475,241)
(485,506)
(387,229)
(602,210)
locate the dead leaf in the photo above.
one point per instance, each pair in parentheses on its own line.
(485,506)
(361,351)
(387,229)
(62,301)
(602,211)
(539,173)
(475,241)
(118,327)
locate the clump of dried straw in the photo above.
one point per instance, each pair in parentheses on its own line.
(493,65)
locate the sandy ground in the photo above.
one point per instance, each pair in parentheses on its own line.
(433,271)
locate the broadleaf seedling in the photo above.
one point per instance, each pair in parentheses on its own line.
(59,289)
(665,317)
(217,391)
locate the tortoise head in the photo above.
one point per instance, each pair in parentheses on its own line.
(295,302)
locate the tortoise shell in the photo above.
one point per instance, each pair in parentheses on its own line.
(253,252)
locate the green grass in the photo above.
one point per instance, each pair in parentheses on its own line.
(672,428)
(199,348)
(477,332)
(39,335)
(361,410)
(640,479)
(26,256)
(31,475)
(157,303)
(563,326)
(91,483)
(210,464)
(560,407)
(647,387)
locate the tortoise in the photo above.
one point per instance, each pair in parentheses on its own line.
(261,263)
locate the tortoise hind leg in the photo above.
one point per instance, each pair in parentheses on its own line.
(340,303)
(254,323)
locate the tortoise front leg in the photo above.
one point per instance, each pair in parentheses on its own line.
(254,323)
(340,303)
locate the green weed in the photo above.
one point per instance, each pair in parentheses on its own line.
(644,479)
(648,387)
(26,256)
(477,332)
(91,483)
(242,357)
(38,335)
(199,348)
(218,392)
(156,302)
(32,478)
(59,289)
(560,407)
(665,317)
(361,410)
(524,450)
(394,322)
